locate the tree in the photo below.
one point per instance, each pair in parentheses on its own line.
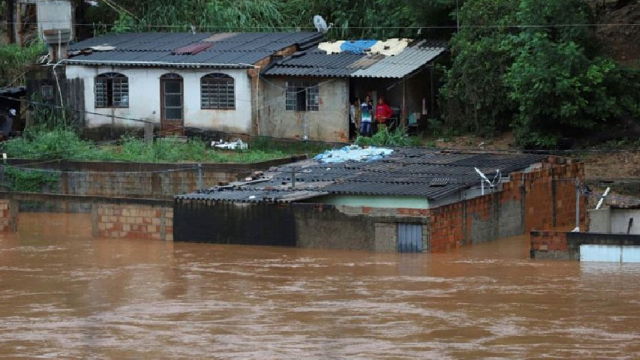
(475,96)
(525,65)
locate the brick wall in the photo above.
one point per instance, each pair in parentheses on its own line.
(8,216)
(133,221)
(541,199)
(549,240)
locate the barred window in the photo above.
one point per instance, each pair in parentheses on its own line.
(112,91)
(217,91)
(302,96)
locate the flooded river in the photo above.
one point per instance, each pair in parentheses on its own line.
(64,295)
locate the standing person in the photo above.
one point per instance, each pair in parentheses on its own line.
(366,109)
(7,124)
(383,113)
(353,125)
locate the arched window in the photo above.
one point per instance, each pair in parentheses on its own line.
(112,91)
(217,91)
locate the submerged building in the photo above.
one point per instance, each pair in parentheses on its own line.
(411,200)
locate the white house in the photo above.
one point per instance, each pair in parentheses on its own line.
(284,85)
(177,80)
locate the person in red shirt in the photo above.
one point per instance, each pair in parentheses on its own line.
(383,112)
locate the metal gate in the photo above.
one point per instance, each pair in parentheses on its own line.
(410,238)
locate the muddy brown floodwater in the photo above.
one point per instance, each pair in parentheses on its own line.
(64,295)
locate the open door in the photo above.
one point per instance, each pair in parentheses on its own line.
(172,104)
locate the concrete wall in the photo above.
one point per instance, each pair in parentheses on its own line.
(299,224)
(144,98)
(558,245)
(600,221)
(353,228)
(614,221)
(330,123)
(620,221)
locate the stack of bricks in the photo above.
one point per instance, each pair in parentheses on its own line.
(8,216)
(133,221)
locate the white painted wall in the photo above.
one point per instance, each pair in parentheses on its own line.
(610,253)
(330,123)
(144,98)
(620,221)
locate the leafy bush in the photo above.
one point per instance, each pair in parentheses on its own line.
(384,137)
(59,143)
(16,179)
(13,60)
(546,82)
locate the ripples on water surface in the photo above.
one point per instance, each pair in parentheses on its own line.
(73,297)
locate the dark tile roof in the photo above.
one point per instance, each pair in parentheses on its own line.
(317,63)
(152,49)
(409,172)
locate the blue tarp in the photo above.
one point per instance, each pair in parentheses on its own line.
(357,46)
(353,153)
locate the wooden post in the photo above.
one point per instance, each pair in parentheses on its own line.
(11,20)
(403,113)
(148,132)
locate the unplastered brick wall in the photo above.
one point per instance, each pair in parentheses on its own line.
(8,216)
(541,199)
(549,245)
(133,221)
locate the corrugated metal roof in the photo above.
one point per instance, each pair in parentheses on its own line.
(253,196)
(163,49)
(410,172)
(401,65)
(317,63)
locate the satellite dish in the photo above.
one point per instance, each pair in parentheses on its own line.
(320,24)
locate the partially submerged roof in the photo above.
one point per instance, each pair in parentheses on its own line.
(317,62)
(407,172)
(223,50)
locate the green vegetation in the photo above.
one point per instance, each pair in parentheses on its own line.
(16,179)
(384,137)
(350,19)
(13,62)
(545,81)
(62,143)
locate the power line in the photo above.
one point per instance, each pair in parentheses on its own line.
(416,27)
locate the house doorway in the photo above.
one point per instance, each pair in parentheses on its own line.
(172,104)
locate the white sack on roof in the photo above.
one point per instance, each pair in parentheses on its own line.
(390,47)
(102,48)
(353,153)
(331,47)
